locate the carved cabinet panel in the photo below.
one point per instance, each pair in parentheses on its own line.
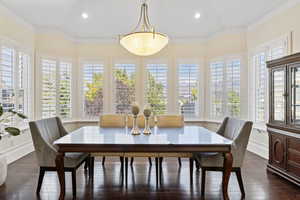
(277,150)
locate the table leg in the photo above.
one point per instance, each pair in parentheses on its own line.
(228,160)
(59,161)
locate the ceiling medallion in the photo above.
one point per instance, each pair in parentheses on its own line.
(143,40)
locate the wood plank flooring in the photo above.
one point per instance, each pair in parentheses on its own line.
(259,185)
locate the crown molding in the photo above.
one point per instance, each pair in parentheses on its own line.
(268,16)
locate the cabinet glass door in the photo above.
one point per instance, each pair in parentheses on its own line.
(278,77)
(295,94)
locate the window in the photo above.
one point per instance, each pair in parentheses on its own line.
(233,88)
(24,62)
(7,78)
(125,76)
(56,89)
(188,75)
(93,89)
(259,61)
(269,51)
(156,89)
(65,105)
(225,88)
(48,88)
(13,80)
(216,88)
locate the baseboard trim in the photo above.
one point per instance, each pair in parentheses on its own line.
(259,149)
(18,152)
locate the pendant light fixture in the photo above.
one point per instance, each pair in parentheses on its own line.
(144,40)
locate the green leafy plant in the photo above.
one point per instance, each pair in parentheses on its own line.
(5,118)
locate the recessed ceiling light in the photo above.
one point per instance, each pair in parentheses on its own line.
(197,15)
(84,15)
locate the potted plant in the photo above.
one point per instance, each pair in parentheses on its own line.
(5,129)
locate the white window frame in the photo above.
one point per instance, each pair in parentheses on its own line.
(145,80)
(225,60)
(266,49)
(113,81)
(201,83)
(40,86)
(29,80)
(81,86)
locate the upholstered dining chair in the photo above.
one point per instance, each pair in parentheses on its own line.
(44,132)
(141,125)
(239,132)
(111,121)
(174,121)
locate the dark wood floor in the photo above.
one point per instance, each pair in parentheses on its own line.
(23,175)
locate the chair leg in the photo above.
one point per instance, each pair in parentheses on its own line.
(156,169)
(197,165)
(91,165)
(103,160)
(191,169)
(203,173)
(126,170)
(160,169)
(150,161)
(86,164)
(40,181)
(122,168)
(240,180)
(179,162)
(131,161)
(74,182)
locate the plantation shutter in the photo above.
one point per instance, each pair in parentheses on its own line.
(156,92)
(49,94)
(188,75)
(216,89)
(65,104)
(233,88)
(260,86)
(7,78)
(125,76)
(24,63)
(93,89)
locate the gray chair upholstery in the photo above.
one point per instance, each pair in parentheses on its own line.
(239,132)
(236,130)
(44,132)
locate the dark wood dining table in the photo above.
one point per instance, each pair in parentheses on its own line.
(193,139)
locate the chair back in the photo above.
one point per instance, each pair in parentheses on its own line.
(140,121)
(239,132)
(112,121)
(44,132)
(170,121)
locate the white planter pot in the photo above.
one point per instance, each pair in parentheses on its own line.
(3,169)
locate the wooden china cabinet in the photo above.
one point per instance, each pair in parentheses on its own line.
(284,117)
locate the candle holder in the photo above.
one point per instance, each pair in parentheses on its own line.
(135,111)
(147,114)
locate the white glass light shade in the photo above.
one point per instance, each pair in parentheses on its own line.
(144,43)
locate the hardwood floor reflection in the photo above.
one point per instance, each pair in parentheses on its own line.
(107,184)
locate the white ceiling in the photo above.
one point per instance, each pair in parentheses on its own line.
(109,18)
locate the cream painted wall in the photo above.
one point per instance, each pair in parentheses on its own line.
(275,26)
(16,29)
